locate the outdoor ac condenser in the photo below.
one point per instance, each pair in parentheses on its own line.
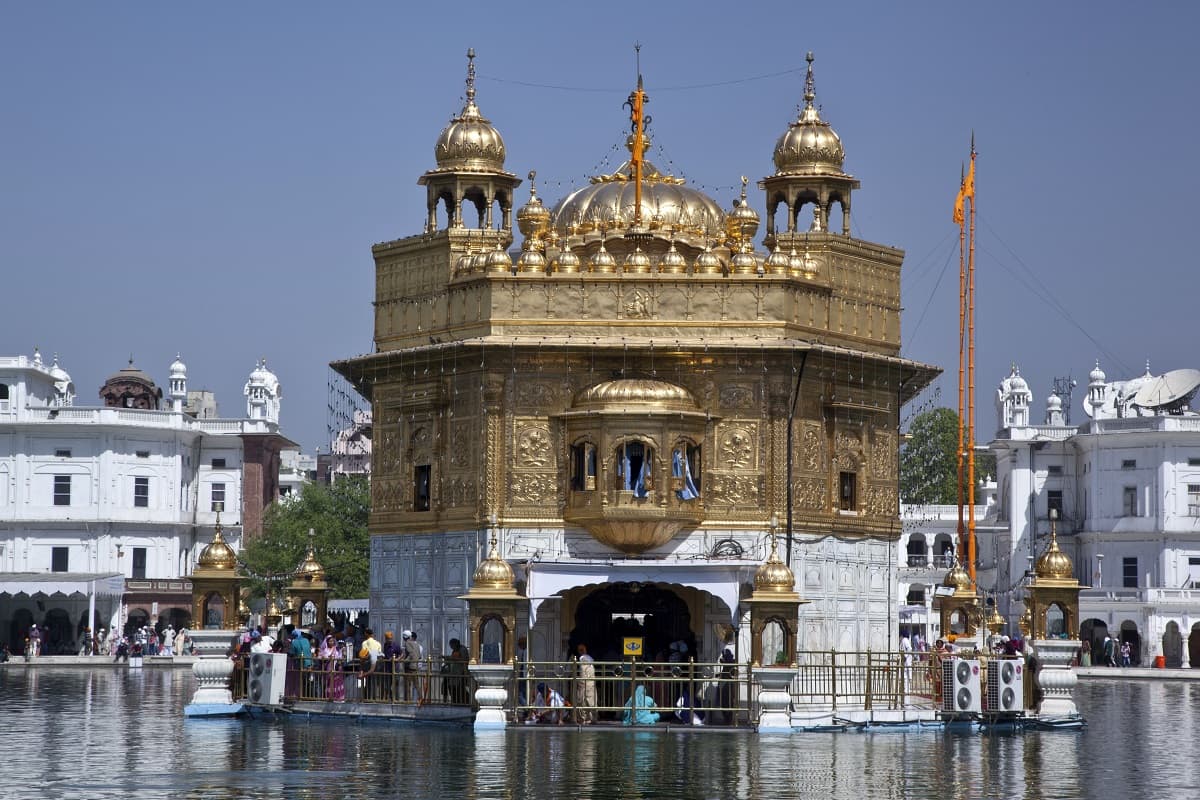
(1006,685)
(268,671)
(960,686)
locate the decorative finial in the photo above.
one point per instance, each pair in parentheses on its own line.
(532,185)
(470,76)
(810,85)
(745,181)
(131,359)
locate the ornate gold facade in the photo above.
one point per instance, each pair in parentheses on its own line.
(528,385)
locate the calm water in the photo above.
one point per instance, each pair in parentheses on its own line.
(70,732)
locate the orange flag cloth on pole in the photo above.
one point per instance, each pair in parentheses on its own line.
(968,187)
(958,207)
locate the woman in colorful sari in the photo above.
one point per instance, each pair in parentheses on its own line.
(331,663)
(637,709)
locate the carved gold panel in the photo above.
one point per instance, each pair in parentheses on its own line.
(737,445)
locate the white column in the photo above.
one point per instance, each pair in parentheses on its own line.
(1187,635)
(91,618)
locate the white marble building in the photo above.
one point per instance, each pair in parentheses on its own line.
(1125,487)
(130,490)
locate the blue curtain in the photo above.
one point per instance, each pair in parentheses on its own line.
(680,468)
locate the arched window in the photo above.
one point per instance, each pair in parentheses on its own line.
(583,467)
(214,611)
(634,468)
(1055,622)
(491,637)
(685,471)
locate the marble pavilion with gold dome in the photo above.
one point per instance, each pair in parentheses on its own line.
(632,395)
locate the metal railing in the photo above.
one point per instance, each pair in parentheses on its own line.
(432,681)
(632,692)
(864,680)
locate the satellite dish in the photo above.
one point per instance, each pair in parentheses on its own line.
(1172,389)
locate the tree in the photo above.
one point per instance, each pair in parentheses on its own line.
(928,466)
(337,515)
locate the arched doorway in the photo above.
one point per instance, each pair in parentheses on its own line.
(609,614)
(1194,646)
(58,638)
(138,618)
(18,630)
(1129,633)
(1094,632)
(1172,645)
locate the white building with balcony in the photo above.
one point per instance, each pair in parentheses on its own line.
(1125,490)
(129,490)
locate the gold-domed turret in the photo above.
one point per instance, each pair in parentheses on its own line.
(809,146)
(673,261)
(493,573)
(310,569)
(533,218)
(602,260)
(1054,563)
(217,555)
(958,578)
(773,576)
(470,143)
(742,222)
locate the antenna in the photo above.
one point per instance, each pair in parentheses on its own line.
(1062,390)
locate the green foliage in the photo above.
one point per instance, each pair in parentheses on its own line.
(928,467)
(337,515)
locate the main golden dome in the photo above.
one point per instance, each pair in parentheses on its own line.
(809,146)
(608,204)
(469,143)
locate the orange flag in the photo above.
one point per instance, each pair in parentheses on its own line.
(968,189)
(958,207)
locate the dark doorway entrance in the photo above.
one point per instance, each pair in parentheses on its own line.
(609,614)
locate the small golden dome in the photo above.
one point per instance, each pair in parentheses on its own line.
(602,260)
(958,578)
(742,221)
(310,569)
(470,143)
(778,262)
(637,261)
(626,392)
(809,146)
(533,218)
(743,262)
(708,262)
(531,261)
(217,555)
(672,261)
(566,261)
(1054,563)
(493,573)
(499,260)
(773,575)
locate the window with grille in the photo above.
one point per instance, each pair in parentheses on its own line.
(848,491)
(1130,501)
(218,497)
(1054,503)
(62,490)
(1193,490)
(1129,572)
(141,492)
(422,476)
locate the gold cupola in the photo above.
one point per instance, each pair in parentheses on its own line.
(1054,564)
(470,142)
(958,578)
(493,574)
(773,576)
(217,555)
(310,570)
(533,218)
(809,146)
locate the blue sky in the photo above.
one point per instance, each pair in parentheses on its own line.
(209,178)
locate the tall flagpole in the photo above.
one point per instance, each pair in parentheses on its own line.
(971,555)
(962,419)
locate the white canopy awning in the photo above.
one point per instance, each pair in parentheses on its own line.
(102,584)
(722,579)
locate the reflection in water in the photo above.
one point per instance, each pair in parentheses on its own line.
(120,734)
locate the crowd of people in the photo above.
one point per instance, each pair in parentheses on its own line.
(144,640)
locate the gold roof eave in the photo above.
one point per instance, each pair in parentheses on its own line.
(356,369)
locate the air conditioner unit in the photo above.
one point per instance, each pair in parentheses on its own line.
(960,686)
(268,671)
(1006,685)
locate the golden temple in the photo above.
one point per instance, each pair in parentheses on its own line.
(627,399)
